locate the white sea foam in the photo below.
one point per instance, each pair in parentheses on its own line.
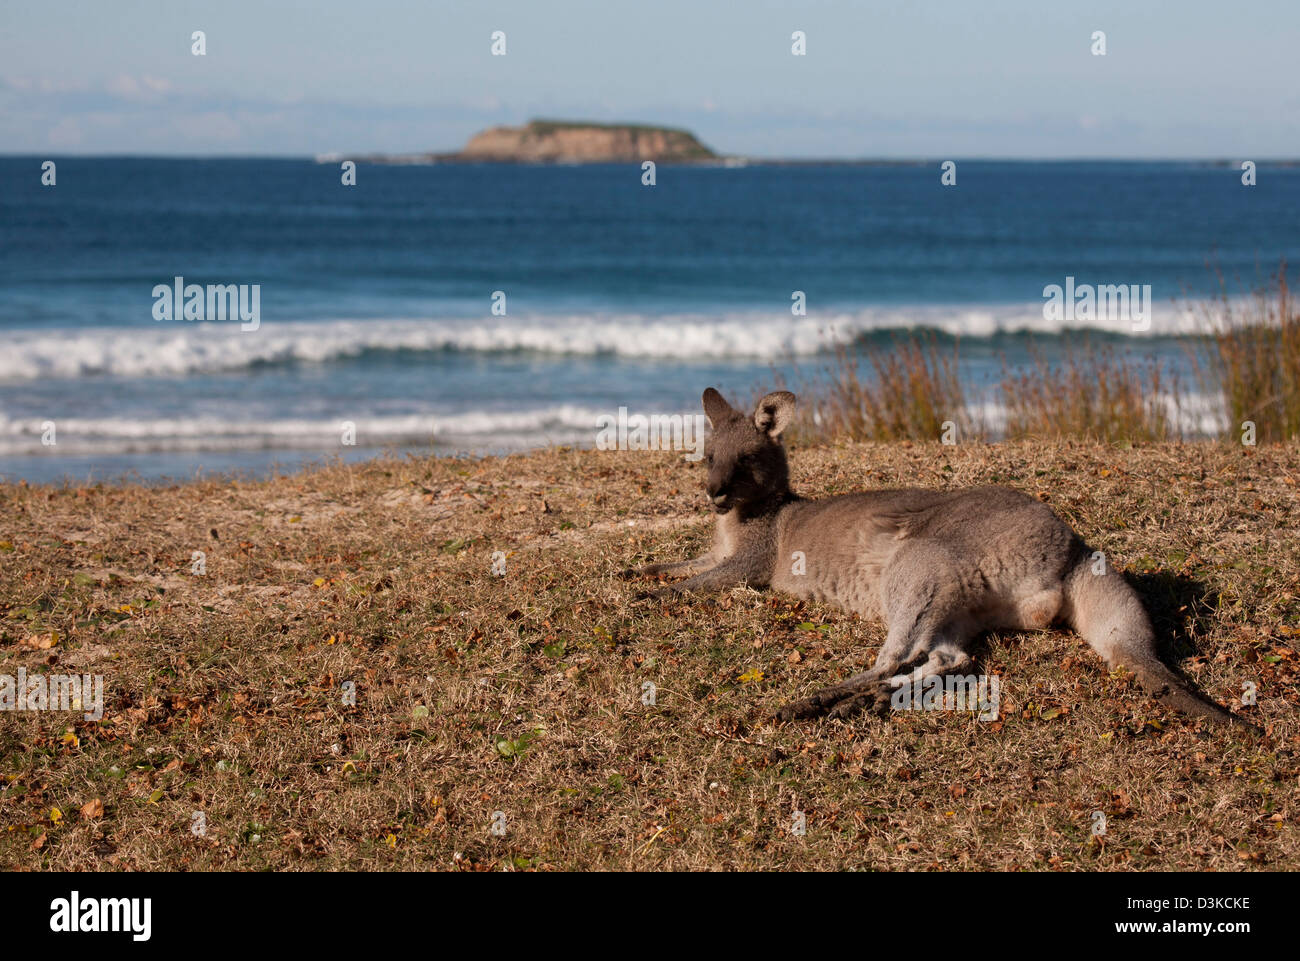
(472,430)
(469,430)
(178,348)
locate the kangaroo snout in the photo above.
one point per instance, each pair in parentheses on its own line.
(716,492)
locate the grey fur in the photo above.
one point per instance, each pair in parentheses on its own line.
(939,567)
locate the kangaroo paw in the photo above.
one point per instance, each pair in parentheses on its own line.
(814,705)
(648,570)
(875,701)
(839,700)
(656,593)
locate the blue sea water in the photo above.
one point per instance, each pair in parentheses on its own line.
(376,300)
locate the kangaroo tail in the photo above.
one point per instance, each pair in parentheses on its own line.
(1110,617)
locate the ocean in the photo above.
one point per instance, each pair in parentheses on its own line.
(472,309)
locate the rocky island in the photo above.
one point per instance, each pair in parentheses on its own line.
(564,142)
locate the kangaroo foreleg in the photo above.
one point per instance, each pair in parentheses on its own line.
(730,573)
(918,602)
(694,565)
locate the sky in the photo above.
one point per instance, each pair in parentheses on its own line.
(1194,79)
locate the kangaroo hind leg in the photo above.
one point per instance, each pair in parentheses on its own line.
(924,621)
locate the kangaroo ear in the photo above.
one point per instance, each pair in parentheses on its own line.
(774,413)
(716,408)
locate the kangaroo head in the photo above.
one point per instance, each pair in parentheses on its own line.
(745,459)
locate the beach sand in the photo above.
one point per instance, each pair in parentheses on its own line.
(516,699)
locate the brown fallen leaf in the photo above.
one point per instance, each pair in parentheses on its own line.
(92,809)
(42,641)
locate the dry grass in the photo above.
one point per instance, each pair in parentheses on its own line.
(1251,361)
(224,689)
(912,391)
(1090,394)
(1248,363)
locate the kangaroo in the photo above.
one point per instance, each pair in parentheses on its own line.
(938,567)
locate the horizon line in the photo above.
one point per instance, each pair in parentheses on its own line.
(367,156)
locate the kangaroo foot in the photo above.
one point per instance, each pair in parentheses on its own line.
(838,701)
(874,701)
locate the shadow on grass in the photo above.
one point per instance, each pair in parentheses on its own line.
(1179,611)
